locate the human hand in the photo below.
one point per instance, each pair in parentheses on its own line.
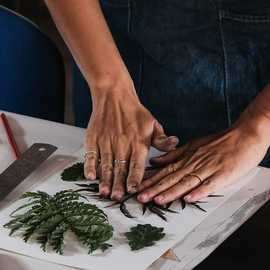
(121,128)
(216,161)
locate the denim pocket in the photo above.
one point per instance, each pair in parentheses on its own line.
(246,46)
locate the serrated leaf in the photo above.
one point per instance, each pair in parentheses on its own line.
(144,236)
(52,216)
(74,172)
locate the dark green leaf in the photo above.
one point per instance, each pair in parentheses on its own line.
(144,236)
(74,173)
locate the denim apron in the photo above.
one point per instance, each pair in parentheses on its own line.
(196,64)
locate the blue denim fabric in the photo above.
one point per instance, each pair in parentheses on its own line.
(32,74)
(196,64)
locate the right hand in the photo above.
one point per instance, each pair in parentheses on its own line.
(120,127)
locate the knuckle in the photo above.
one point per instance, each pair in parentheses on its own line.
(106,167)
(149,182)
(202,192)
(208,183)
(173,179)
(134,179)
(90,158)
(187,182)
(173,194)
(136,166)
(165,171)
(155,190)
(120,172)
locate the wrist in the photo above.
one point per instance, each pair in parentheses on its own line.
(255,123)
(112,85)
(111,92)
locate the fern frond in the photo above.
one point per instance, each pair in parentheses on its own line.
(52,216)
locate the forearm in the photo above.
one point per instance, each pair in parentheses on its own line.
(85,31)
(257,116)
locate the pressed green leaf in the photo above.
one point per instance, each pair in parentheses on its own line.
(74,172)
(52,216)
(144,236)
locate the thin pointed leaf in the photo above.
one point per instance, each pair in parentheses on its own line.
(124,210)
(197,206)
(183,203)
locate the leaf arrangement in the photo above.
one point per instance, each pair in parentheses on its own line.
(75,172)
(50,217)
(159,210)
(144,236)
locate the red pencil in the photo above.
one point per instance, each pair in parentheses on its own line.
(11,140)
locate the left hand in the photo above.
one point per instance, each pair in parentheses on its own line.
(219,160)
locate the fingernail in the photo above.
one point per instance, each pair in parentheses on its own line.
(116,197)
(142,197)
(154,158)
(159,198)
(91,176)
(104,192)
(132,188)
(187,198)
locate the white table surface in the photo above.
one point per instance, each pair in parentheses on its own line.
(201,242)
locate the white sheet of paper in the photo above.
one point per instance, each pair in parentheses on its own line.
(119,256)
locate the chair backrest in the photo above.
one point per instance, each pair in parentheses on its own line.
(32,74)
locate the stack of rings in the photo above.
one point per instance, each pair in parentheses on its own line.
(173,167)
(119,160)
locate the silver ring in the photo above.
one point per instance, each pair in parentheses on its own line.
(89,152)
(119,160)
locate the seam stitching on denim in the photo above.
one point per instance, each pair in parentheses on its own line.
(226,68)
(141,61)
(245,18)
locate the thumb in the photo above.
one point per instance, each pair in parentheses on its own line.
(160,141)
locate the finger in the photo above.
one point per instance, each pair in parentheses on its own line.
(120,176)
(90,164)
(209,186)
(106,173)
(166,183)
(167,158)
(184,186)
(157,177)
(136,169)
(160,141)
